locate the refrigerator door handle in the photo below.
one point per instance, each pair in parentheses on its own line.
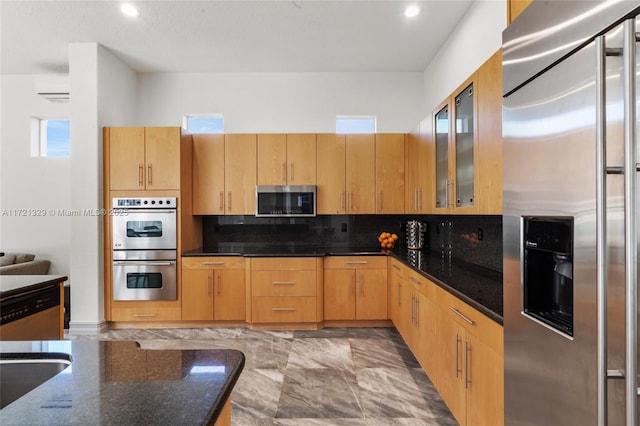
(630,217)
(601,229)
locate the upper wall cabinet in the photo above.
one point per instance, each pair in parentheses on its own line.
(456,149)
(417,178)
(467,139)
(224,174)
(144,158)
(389,172)
(286,159)
(331,162)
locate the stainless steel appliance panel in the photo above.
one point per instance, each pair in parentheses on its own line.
(549,139)
(546,31)
(145,275)
(134,229)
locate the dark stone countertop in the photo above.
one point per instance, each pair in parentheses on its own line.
(12,285)
(479,287)
(118,383)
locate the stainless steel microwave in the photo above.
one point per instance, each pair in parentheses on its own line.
(285,200)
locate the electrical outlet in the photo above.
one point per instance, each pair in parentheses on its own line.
(480,234)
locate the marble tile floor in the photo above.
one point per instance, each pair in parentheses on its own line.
(333,376)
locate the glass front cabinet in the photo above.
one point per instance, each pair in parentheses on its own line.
(456,150)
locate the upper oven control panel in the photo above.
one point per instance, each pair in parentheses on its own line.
(145,203)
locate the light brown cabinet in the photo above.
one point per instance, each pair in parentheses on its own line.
(224,174)
(346,174)
(285,290)
(355,288)
(144,158)
(389,172)
(286,159)
(331,174)
(213,288)
(469,362)
(467,145)
(418,168)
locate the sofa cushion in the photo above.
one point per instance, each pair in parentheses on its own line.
(24,257)
(7,259)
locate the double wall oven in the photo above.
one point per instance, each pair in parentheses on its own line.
(144,242)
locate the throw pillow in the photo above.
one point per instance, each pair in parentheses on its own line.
(24,257)
(7,259)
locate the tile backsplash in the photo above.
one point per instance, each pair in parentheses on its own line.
(473,238)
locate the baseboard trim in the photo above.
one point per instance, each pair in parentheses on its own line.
(87,328)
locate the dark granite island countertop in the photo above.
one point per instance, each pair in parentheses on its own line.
(11,285)
(118,383)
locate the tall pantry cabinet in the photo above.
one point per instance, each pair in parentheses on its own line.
(147,162)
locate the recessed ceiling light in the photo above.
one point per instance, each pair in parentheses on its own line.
(412,11)
(129,10)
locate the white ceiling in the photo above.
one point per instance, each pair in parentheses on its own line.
(231,35)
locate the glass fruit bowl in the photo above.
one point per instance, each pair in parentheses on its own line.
(387,240)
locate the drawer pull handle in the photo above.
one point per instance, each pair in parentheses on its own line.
(356,262)
(213,263)
(283,282)
(145,315)
(461,315)
(396,267)
(413,280)
(283,309)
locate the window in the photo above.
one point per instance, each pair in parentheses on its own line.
(211,123)
(355,124)
(50,137)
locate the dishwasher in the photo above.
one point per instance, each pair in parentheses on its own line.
(32,315)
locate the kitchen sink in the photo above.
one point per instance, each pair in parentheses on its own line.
(21,373)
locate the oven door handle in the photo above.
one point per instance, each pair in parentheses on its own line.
(141,263)
(126,212)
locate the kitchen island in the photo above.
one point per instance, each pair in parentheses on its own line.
(118,383)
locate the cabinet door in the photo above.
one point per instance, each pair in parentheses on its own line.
(396,281)
(442,132)
(371,294)
(272,159)
(126,158)
(450,364)
(489,92)
(301,159)
(425,341)
(229,298)
(485,384)
(331,175)
(240,174)
(465,148)
(417,174)
(339,294)
(389,173)
(360,174)
(197,294)
(162,154)
(208,174)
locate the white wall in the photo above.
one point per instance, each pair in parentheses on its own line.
(31,182)
(102,92)
(282,102)
(477,37)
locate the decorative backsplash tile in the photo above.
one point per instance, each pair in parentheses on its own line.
(475,239)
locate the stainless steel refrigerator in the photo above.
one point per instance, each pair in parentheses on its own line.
(570,131)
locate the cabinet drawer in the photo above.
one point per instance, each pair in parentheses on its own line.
(481,326)
(355,262)
(283,309)
(283,283)
(283,263)
(146,314)
(230,262)
(398,268)
(422,285)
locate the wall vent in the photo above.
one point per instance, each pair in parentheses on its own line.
(53,88)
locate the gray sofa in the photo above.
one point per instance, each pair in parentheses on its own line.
(23,264)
